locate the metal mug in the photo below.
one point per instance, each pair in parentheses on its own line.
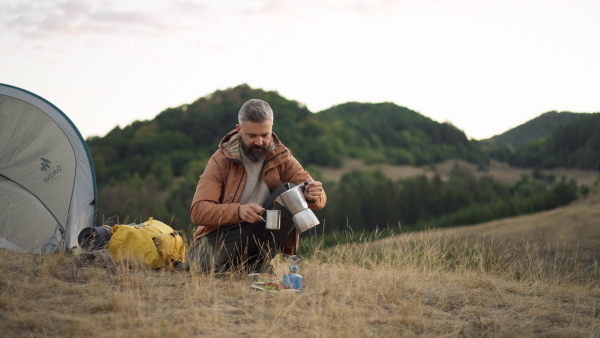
(273,219)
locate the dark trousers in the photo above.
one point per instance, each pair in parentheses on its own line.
(246,247)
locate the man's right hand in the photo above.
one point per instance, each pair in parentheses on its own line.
(250,212)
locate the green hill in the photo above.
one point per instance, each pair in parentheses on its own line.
(535,129)
(387,133)
(150,168)
(376,133)
(574,145)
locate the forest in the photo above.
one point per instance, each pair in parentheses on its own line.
(150,168)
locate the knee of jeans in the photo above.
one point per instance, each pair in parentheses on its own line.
(194,251)
(202,256)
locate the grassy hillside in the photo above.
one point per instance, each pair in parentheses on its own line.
(573,229)
(420,284)
(500,171)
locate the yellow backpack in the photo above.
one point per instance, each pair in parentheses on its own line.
(152,243)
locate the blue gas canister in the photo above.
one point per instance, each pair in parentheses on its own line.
(292,279)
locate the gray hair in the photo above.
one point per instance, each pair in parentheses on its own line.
(255,110)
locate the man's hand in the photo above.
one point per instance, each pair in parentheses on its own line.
(313,190)
(250,212)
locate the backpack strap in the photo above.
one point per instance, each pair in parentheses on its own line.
(167,257)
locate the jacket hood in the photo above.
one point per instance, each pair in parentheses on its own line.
(230,145)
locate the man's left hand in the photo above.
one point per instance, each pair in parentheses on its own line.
(313,190)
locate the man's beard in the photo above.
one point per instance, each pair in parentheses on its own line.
(254,153)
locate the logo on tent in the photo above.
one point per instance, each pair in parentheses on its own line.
(45,164)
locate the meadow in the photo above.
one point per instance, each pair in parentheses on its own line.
(428,284)
(533,275)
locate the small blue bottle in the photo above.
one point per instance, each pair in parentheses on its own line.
(293,279)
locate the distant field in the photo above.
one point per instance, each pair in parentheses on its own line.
(502,172)
(574,229)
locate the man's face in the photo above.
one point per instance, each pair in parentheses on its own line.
(256,137)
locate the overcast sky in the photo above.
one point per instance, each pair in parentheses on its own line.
(485,66)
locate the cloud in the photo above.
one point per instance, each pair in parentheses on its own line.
(77,18)
(34,19)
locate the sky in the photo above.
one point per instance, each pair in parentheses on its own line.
(485,66)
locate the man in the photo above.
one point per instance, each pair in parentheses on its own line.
(242,179)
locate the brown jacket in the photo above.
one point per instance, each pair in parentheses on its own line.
(219,189)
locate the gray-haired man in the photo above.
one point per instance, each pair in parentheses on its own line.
(241,180)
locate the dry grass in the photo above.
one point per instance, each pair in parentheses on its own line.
(409,285)
(533,275)
(573,229)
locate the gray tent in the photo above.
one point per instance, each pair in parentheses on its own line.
(47,180)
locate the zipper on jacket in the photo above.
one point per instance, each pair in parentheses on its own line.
(264,165)
(285,151)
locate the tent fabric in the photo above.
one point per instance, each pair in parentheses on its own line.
(47,179)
